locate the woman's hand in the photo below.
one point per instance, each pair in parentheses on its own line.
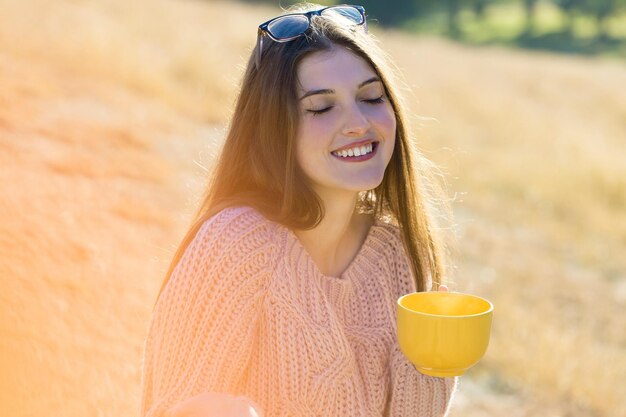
(214,404)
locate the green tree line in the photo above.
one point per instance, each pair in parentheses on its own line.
(396,12)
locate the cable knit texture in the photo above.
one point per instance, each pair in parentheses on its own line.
(246,311)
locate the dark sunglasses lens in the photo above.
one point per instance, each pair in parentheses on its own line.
(288,26)
(348,12)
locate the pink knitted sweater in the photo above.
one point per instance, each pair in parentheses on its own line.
(247,312)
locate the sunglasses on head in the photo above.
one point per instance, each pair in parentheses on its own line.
(291,26)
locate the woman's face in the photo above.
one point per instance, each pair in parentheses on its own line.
(347,126)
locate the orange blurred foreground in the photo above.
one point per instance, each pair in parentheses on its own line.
(92,201)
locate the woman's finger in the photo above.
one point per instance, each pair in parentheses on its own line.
(443,288)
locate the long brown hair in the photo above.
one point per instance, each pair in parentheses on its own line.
(257,165)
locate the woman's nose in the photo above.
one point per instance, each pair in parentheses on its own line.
(356,123)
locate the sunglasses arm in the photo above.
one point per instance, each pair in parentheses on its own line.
(259,46)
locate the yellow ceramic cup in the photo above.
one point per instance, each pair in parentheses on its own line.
(443,333)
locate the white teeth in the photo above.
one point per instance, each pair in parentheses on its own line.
(358,151)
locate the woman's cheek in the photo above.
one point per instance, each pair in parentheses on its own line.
(322,126)
(390,120)
(384,120)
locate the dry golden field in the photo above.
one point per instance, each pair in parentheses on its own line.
(111,110)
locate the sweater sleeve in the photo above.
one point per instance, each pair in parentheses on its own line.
(416,394)
(203,326)
(412,393)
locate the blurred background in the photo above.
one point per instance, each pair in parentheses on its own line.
(112,110)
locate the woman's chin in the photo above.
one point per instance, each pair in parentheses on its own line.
(364,184)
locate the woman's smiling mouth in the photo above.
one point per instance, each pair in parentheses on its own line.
(357,153)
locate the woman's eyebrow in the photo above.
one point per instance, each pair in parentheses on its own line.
(330,91)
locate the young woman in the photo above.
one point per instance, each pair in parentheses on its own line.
(281,299)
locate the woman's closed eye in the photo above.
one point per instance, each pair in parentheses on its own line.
(377,100)
(316,112)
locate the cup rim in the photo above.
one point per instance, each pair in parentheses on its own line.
(489,310)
